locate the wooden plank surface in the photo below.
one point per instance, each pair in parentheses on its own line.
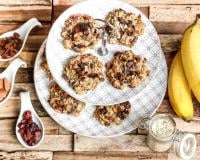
(50,143)
(170,18)
(173,13)
(130,143)
(26,155)
(25,2)
(109,156)
(23,13)
(8,126)
(133,2)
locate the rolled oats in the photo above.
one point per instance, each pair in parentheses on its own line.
(126,27)
(114,114)
(45,67)
(80,32)
(84,72)
(64,103)
(126,69)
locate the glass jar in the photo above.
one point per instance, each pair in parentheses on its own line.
(163,134)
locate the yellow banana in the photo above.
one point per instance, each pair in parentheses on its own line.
(190,53)
(179,91)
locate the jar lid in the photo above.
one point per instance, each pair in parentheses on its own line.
(185,145)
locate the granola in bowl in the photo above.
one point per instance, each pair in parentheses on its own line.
(84,73)
(114,114)
(126,27)
(80,32)
(64,103)
(127,70)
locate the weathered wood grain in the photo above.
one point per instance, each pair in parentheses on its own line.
(58,9)
(9,26)
(170,42)
(110,156)
(24,75)
(8,126)
(24,87)
(27,56)
(63,131)
(25,2)
(131,143)
(34,42)
(23,13)
(173,13)
(170,27)
(26,155)
(133,2)
(11,108)
(50,143)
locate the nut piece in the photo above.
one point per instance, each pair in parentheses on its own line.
(45,68)
(127,70)
(114,114)
(3,94)
(126,27)
(1,84)
(84,73)
(64,103)
(6,84)
(80,32)
(4,88)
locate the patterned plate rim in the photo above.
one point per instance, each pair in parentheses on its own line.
(55,119)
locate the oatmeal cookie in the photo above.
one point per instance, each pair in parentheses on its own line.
(84,72)
(126,69)
(126,27)
(80,32)
(114,114)
(45,68)
(64,103)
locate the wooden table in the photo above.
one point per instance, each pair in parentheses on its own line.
(170,18)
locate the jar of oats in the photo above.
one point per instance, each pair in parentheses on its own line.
(163,134)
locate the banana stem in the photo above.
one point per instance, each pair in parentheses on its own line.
(198,18)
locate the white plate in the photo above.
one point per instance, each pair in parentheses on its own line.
(142,106)
(147,45)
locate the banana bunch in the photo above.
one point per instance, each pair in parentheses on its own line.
(184,75)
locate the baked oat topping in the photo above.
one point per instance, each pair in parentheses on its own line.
(126,27)
(45,68)
(114,114)
(84,73)
(127,70)
(64,103)
(80,32)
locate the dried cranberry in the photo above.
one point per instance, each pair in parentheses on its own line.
(27,115)
(29,130)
